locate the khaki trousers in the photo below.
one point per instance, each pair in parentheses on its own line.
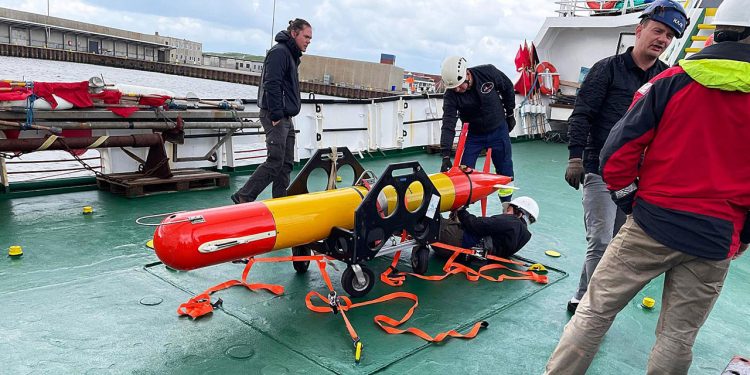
(691,286)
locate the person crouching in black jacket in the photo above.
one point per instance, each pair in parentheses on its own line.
(501,235)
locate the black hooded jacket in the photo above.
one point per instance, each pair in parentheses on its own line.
(604,97)
(279,88)
(484,106)
(509,233)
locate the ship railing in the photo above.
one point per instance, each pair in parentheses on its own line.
(695,12)
(583,8)
(586,8)
(35,169)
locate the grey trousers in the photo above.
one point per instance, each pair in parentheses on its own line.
(279,161)
(691,287)
(602,221)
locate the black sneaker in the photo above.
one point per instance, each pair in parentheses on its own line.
(572,306)
(237,198)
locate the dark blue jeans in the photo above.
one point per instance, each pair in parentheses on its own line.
(499,141)
(279,161)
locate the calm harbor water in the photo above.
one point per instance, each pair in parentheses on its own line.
(15,68)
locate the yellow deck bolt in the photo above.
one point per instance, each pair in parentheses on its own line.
(15,251)
(87,210)
(338,179)
(648,303)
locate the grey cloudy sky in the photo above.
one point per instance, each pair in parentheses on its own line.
(419,32)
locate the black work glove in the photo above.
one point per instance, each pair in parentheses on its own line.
(574,173)
(446,164)
(625,198)
(511,123)
(462,212)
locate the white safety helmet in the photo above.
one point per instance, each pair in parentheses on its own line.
(526,204)
(732,13)
(453,71)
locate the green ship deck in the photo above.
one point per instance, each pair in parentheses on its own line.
(88,297)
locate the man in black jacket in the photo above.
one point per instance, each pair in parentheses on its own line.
(689,214)
(279,101)
(502,235)
(482,96)
(605,95)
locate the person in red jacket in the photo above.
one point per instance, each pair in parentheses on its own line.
(677,164)
(604,97)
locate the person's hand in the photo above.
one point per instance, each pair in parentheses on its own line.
(574,173)
(446,164)
(274,123)
(511,120)
(743,247)
(625,197)
(453,215)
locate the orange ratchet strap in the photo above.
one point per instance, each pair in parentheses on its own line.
(343,304)
(392,277)
(201,304)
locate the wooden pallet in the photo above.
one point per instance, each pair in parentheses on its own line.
(134,185)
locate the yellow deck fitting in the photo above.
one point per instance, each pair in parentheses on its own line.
(552,253)
(648,302)
(15,251)
(150,244)
(538,267)
(88,210)
(338,179)
(358,351)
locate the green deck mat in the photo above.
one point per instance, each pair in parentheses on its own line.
(454,303)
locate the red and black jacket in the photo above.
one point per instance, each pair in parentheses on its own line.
(684,141)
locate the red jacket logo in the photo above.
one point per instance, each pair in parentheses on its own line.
(487,87)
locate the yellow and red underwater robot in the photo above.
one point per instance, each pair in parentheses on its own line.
(351,224)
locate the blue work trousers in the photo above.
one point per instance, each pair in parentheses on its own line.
(499,141)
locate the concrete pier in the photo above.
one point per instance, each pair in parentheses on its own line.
(176,69)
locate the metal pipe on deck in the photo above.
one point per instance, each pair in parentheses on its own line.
(59,143)
(153,125)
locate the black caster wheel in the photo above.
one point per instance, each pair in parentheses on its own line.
(446,254)
(442,253)
(420,259)
(302,265)
(353,286)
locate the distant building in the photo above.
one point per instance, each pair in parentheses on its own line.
(350,73)
(183,51)
(437,79)
(387,59)
(37,30)
(415,83)
(226,62)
